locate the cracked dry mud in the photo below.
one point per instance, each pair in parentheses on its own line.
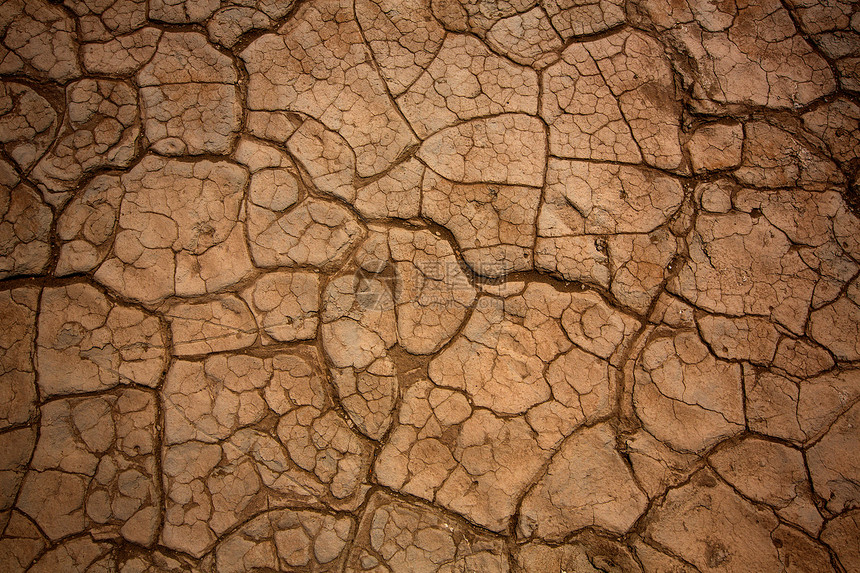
(429,285)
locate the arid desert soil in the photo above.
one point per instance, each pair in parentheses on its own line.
(475,286)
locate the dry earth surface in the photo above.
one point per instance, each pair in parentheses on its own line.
(410,285)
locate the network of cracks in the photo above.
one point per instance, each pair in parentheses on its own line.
(401,285)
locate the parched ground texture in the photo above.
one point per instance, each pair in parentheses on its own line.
(411,285)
